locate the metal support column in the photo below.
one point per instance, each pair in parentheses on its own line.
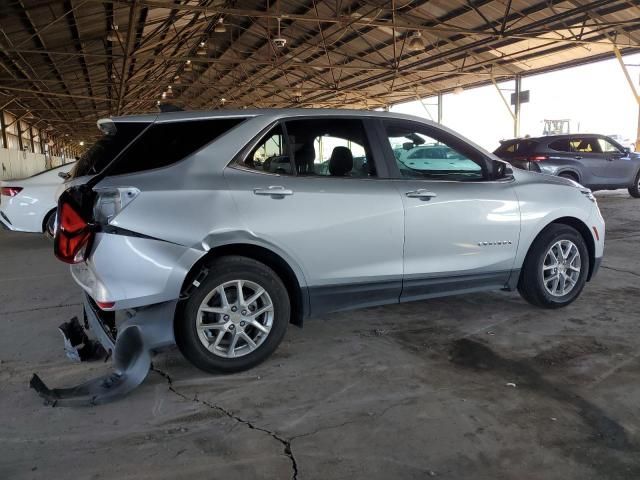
(516,113)
(440,108)
(17,122)
(634,90)
(3,130)
(33,146)
(504,100)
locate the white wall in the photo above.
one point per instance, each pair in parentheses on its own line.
(17,164)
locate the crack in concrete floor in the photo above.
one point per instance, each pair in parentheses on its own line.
(286,443)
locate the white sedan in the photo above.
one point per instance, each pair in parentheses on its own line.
(29,205)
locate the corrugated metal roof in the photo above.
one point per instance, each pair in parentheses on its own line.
(57,61)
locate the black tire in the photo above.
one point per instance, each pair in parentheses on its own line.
(48,224)
(223,270)
(531,285)
(634,190)
(570,176)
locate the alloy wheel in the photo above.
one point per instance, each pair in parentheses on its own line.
(561,268)
(235,318)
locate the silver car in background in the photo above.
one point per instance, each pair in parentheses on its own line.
(182,235)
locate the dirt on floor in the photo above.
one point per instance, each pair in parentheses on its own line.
(481,386)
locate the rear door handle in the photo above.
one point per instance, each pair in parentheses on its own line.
(578,157)
(274,191)
(421,193)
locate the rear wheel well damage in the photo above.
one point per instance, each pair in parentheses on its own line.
(584,232)
(260,254)
(46,218)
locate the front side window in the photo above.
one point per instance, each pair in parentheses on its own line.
(608,147)
(331,147)
(585,145)
(421,155)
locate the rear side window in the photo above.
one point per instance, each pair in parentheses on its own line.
(107,148)
(562,145)
(167,143)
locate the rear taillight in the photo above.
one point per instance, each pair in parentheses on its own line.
(538,158)
(73,234)
(10,191)
(105,305)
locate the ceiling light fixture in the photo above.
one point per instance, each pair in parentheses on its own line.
(220,27)
(112,35)
(279,41)
(458,90)
(202,49)
(187,66)
(416,43)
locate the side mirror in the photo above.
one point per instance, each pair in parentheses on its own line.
(626,150)
(501,170)
(64,175)
(407,145)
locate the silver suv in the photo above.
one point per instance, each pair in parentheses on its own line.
(215,230)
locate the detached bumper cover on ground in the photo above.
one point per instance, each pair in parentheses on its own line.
(143,333)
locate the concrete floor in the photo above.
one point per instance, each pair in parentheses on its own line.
(407,391)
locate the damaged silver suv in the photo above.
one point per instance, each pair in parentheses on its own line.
(214,231)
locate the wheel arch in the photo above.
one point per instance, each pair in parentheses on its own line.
(297,291)
(582,229)
(571,171)
(46,218)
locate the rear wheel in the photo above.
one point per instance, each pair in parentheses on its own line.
(236,318)
(634,190)
(49,224)
(556,268)
(570,176)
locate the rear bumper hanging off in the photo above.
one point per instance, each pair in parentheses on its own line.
(144,332)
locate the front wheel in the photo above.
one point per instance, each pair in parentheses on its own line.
(556,268)
(634,190)
(235,319)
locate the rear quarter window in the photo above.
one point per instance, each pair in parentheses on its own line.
(562,145)
(519,147)
(166,143)
(101,153)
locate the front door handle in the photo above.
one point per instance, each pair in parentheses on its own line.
(578,157)
(421,193)
(274,191)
